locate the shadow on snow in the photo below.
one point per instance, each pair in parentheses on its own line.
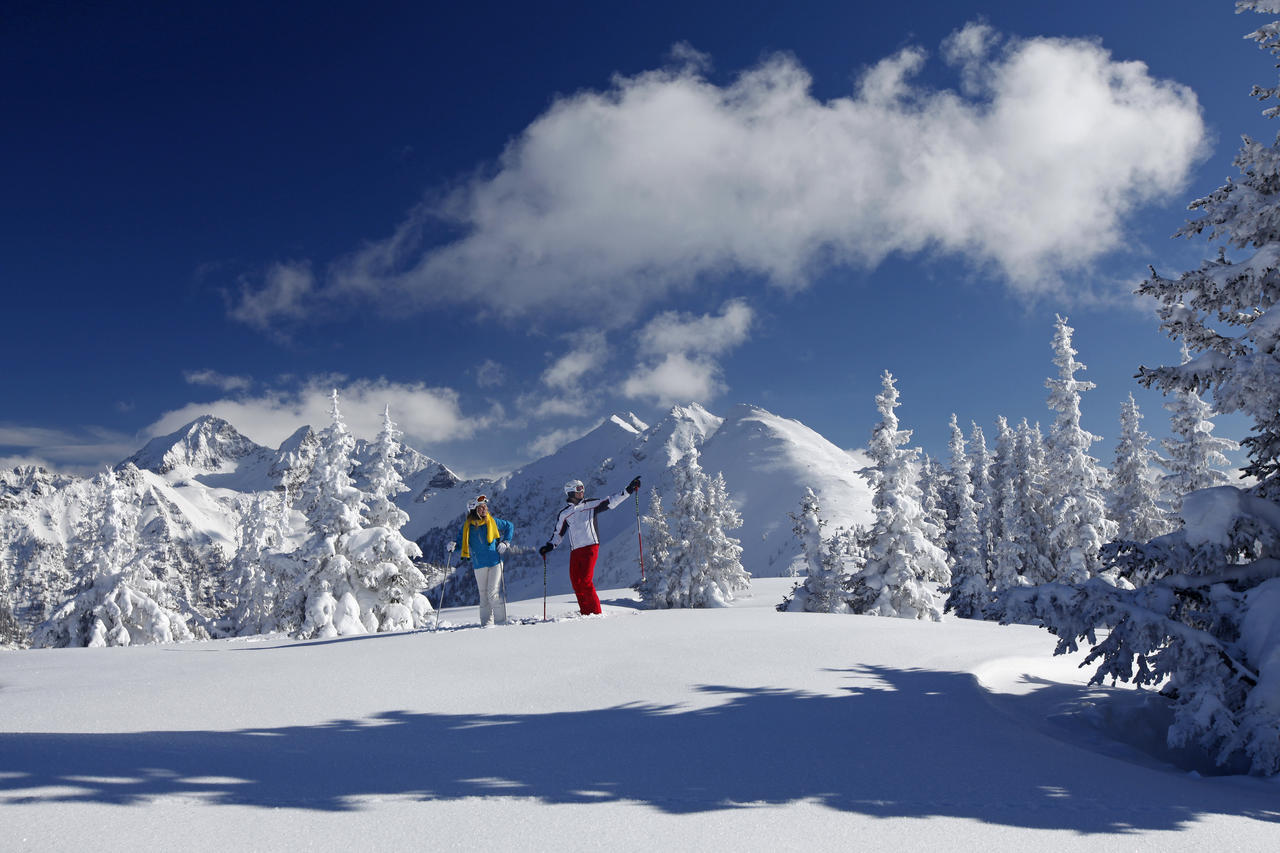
(902,743)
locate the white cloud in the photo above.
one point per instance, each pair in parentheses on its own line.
(567,371)
(218,380)
(286,293)
(677,378)
(680,349)
(426,415)
(611,199)
(490,374)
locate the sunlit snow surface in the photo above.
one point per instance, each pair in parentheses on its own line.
(738,728)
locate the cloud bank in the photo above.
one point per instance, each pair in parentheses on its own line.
(612,199)
(679,354)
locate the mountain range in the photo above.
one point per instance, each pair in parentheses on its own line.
(194,484)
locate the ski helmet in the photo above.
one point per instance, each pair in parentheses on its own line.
(477,501)
(572,486)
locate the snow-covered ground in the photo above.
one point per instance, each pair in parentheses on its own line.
(741,729)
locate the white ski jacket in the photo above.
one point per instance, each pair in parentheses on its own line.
(578,521)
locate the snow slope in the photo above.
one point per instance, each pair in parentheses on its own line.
(739,728)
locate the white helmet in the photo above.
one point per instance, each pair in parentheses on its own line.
(572,486)
(477,501)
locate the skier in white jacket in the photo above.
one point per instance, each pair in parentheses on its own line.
(578,521)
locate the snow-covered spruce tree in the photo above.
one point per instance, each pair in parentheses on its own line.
(1080,523)
(706,566)
(932,488)
(125,600)
(1029,517)
(823,589)
(725,570)
(1194,452)
(263,576)
(1002,471)
(342,566)
(382,557)
(903,565)
(660,577)
(1204,627)
(970,591)
(983,496)
(1134,495)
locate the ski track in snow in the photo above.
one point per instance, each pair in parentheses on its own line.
(738,728)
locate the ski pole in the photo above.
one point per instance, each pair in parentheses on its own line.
(639,540)
(440,608)
(544,587)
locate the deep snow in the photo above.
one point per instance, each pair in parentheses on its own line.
(739,728)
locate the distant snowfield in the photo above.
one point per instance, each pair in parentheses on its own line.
(734,729)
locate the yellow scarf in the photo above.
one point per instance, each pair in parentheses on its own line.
(466,532)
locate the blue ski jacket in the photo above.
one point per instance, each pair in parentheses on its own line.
(485,553)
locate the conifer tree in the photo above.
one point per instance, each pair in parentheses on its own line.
(1193,451)
(903,565)
(125,599)
(658,588)
(1203,628)
(970,591)
(264,577)
(1080,524)
(932,500)
(983,496)
(1134,494)
(823,589)
(1031,514)
(334,508)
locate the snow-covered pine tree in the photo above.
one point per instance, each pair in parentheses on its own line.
(1204,629)
(823,589)
(382,557)
(1134,495)
(706,566)
(1031,515)
(660,577)
(903,565)
(124,600)
(932,489)
(726,576)
(263,577)
(970,591)
(334,509)
(1080,523)
(1194,452)
(980,475)
(1002,471)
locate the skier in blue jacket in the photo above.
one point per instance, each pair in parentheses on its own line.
(483,540)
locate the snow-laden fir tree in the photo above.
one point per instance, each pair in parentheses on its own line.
(658,586)
(933,487)
(823,588)
(1080,523)
(125,599)
(1135,504)
(264,578)
(725,560)
(983,493)
(970,591)
(904,567)
(382,558)
(342,565)
(1203,628)
(705,566)
(1002,471)
(1194,452)
(1028,519)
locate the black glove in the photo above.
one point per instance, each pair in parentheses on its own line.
(633,486)
(546,549)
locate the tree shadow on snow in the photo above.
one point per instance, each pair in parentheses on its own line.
(896,743)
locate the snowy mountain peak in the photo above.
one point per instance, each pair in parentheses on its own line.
(206,445)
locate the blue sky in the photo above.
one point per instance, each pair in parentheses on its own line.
(507,221)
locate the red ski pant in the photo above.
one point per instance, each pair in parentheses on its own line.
(582,570)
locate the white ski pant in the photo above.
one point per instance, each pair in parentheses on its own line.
(492,605)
